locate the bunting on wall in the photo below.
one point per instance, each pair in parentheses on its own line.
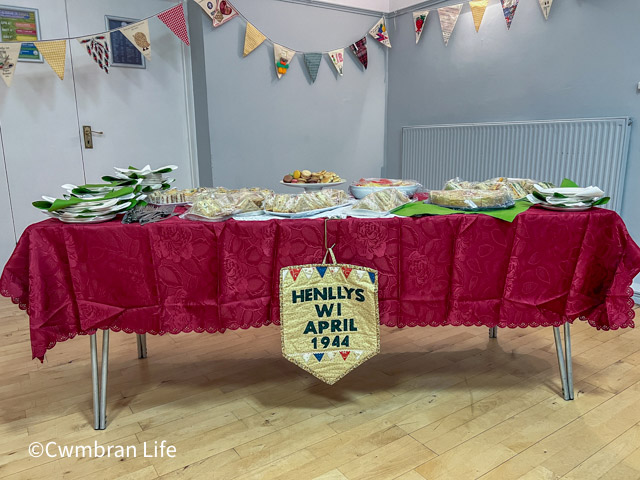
(98,49)
(379,32)
(359,49)
(448,19)
(478,8)
(223,13)
(138,35)
(545,5)
(509,10)
(312,61)
(9,53)
(419,19)
(337,57)
(283,57)
(253,38)
(55,54)
(175,21)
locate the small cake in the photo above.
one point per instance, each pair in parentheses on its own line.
(472,199)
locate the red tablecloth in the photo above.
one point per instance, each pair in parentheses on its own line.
(175,276)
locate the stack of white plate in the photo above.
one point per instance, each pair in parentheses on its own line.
(567,198)
(92,210)
(151,179)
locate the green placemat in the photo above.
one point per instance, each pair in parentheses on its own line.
(421,208)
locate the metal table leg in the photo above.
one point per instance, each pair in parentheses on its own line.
(103,379)
(94,378)
(564,361)
(493,332)
(142,345)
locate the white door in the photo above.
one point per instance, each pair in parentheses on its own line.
(142,112)
(7,229)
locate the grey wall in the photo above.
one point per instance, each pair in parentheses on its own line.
(261,127)
(583,62)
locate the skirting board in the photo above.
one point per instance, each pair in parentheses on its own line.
(636,292)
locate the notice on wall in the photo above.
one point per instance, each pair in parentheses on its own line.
(21,25)
(329,318)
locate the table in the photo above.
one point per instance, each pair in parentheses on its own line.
(544,269)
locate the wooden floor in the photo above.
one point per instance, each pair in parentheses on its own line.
(437,403)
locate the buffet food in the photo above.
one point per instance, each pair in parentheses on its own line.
(304,202)
(382,201)
(175,196)
(468,199)
(306,176)
(220,206)
(518,187)
(366,186)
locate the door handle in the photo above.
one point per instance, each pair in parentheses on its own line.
(88,136)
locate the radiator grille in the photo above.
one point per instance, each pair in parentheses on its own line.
(588,151)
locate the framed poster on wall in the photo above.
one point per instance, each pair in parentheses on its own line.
(19,24)
(123,53)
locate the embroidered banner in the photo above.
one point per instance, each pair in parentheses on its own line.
(379,32)
(509,10)
(545,5)
(9,53)
(138,35)
(175,21)
(478,8)
(329,318)
(55,53)
(419,19)
(359,49)
(312,61)
(253,38)
(98,49)
(337,57)
(283,57)
(448,19)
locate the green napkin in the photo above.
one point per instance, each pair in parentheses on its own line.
(421,208)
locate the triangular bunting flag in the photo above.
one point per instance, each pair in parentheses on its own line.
(419,19)
(283,57)
(337,57)
(285,272)
(358,353)
(253,38)
(208,6)
(330,355)
(448,19)
(312,61)
(359,49)
(360,274)
(306,357)
(138,35)
(372,277)
(509,10)
(334,270)
(345,354)
(98,49)
(308,272)
(346,271)
(223,13)
(9,53)
(55,53)
(379,32)
(321,270)
(318,356)
(478,8)
(295,272)
(545,5)
(174,19)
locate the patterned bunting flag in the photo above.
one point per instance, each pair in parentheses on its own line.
(283,57)
(448,19)
(138,35)
(345,354)
(318,356)
(295,272)
(478,8)
(379,32)
(359,49)
(337,57)
(419,19)
(223,13)
(9,53)
(175,21)
(308,272)
(545,5)
(360,273)
(98,49)
(55,53)
(509,10)
(253,38)
(312,61)
(346,271)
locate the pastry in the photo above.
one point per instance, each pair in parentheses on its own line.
(472,199)
(304,202)
(382,201)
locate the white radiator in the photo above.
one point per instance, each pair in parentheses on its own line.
(588,151)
